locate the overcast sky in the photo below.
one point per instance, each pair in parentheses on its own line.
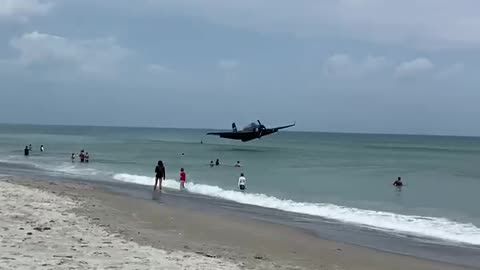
(334,65)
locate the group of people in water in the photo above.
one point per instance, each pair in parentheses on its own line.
(29,148)
(160,175)
(84,156)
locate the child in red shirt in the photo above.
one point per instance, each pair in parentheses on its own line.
(183,178)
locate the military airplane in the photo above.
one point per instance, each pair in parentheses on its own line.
(250,132)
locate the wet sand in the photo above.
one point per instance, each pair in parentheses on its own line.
(95,227)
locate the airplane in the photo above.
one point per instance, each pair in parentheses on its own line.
(250,132)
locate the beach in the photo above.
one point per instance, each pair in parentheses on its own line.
(52,223)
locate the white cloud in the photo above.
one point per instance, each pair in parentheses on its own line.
(342,65)
(21,10)
(426,23)
(413,68)
(95,56)
(228,64)
(155,68)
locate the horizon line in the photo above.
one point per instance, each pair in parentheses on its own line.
(216,129)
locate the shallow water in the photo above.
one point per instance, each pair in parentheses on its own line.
(344,177)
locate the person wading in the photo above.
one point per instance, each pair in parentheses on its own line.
(159,175)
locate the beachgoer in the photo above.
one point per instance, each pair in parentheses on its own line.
(26,152)
(87,156)
(217,162)
(82,156)
(211,163)
(42,148)
(398,182)
(242,182)
(238,164)
(159,175)
(183,178)
(73,157)
(30,147)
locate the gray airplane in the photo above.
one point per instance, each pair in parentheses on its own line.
(250,132)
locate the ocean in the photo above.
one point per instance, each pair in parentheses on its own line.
(346,178)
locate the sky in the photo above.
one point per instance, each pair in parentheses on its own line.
(374,66)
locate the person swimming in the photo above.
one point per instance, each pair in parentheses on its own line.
(398,182)
(238,164)
(242,182)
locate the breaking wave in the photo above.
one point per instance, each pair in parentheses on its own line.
(432,227)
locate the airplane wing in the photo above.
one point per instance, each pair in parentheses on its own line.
(222,133)
(283,127)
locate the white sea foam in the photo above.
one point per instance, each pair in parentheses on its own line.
(439,228)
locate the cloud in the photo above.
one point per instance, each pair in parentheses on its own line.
(228,64)
(413,68)
(342,65)
(155,68)
(21,10)
(95,56)
(429,24)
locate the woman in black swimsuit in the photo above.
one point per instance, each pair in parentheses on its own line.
(159,175)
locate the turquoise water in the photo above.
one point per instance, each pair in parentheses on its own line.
(345,177)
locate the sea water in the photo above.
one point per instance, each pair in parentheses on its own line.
(343,177)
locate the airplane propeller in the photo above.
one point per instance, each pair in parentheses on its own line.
(261,128)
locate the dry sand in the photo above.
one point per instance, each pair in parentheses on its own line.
(84,226)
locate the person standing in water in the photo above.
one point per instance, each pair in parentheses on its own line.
(217,162)
(242,182)
(183,178)
(211,163)
(30,147)
(87,156)
(159,175)
(26,152)
(73,157)
(42,148)
(398,182)
(238,164)
(82,156)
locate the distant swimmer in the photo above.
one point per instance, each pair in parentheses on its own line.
(242,182)
(42,148)
(238,164)
(398,182)
(73,157)
(26,152)
(211,163)
(183,178)
(87,156)
(159,175)
(217,162)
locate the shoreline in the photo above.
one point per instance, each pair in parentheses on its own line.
(253,243)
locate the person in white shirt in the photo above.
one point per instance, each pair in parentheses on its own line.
(242,181)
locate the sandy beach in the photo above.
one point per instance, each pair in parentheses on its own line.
(51,224)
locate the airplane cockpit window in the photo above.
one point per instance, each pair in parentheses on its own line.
(251,126)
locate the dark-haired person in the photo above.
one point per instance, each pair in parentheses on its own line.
(159,175)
